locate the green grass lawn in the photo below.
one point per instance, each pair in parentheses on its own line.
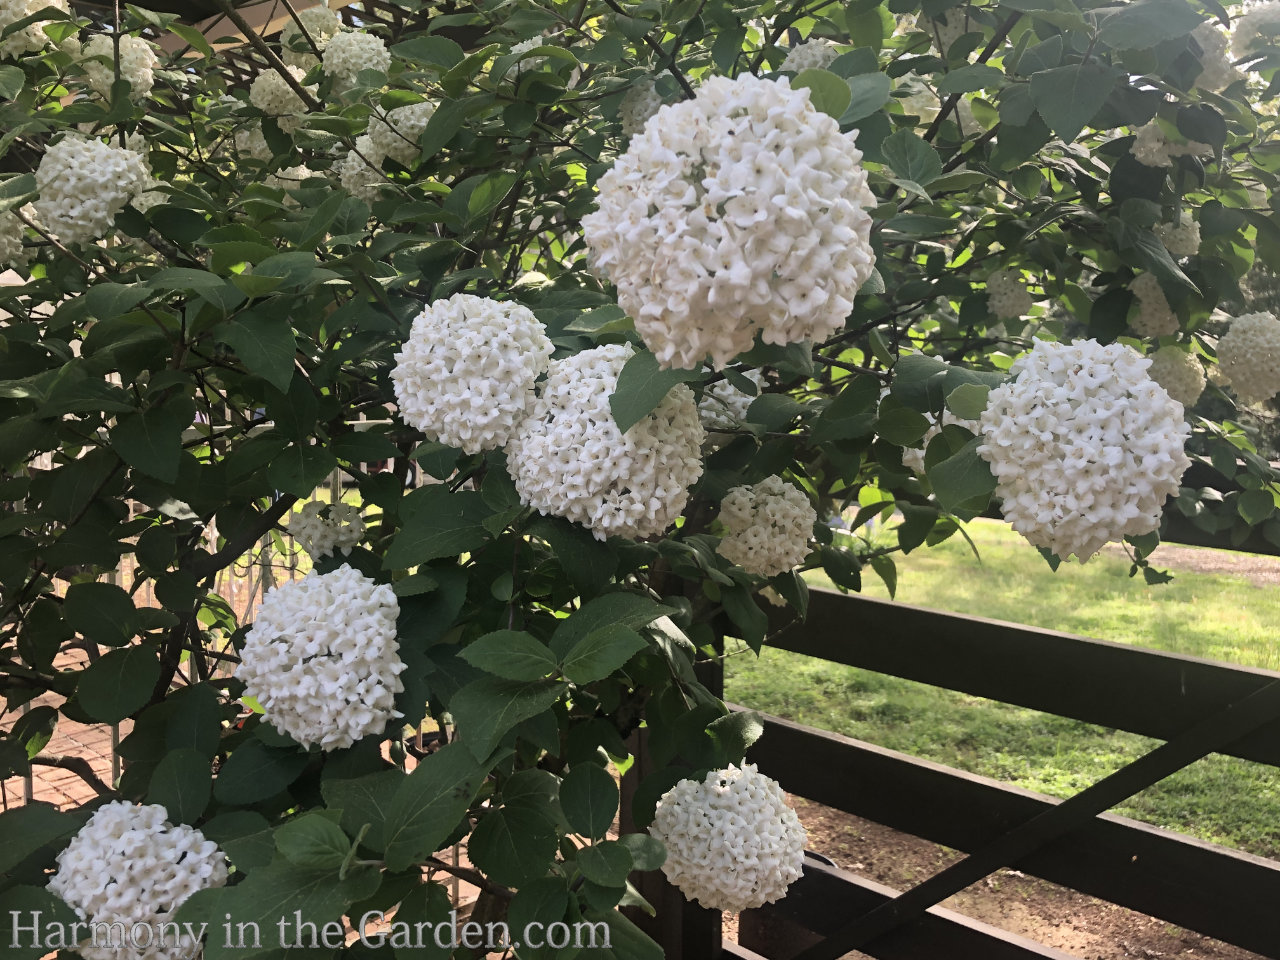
(1208,615)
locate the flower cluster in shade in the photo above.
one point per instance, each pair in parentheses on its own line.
(31,38)
(723,406)
(273,95)
(640,102)
(1257,31)
(1153,147)
(321,529)
(1179,372)
(12,234)
(732,842)
(742,211)
(1084,445)
(1007,297)
(1216,69)
(568,457)
(128,865)
(466,374)
(321,24)
(138,62)
(816,53)
(1181,239)
(349,52)
(84,183)
(323,660)
(360,171)
(1153,317)
(396,133)
(768,526)
(1249,357)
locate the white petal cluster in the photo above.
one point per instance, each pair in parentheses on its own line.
(732,841)
(323,660)
(148,199)
(1007,298)
(1153,317)
(396,133)
(947,29)
(83,185)
(741,211)
(138,62)
(289,178)
(1249,357)
(769,525)
(641,102)
(322,528)
(129,865)
(351,51)
(1084,445)
(12,233)
(568,457)
(1179,372)
(272,94)
(250,142)
(723,406)
(1216,70)
(360,171)
(817,53)
(322,25)
(465,377)
(1256,31)
(1152,147)
(913,459)
(1181,239)
(919,100)
(30,39)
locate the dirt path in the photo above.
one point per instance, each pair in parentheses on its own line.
(1259,570)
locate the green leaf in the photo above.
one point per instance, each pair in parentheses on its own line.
(868,92)
(1255,506)
(102,612)
(182,784)
(442,127)
(255,772)
(735,733)
(647,853)
(511,654)
(589,797)
(313,841)
(487,708)
(968,400)
(300,468)
(364,800)
(623,609)
(119,684)
(911,158)
(25,829)
(193,37)
(264,344)
(12,80)
(977,76)
(1143,24)
(642,386)
(1201,122)
(438,523)
(151,441)
(964,480)
(900,424)
(1068,97)
(827,92)
(18,904)
(607,863)
(106,300)
(512,847)
(429,804)
(601,652)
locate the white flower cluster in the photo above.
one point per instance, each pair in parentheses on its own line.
(741,211)
(1152,147)
(569,458)
(641,102)
(1256,31)
(1181,239)
(465,377)
(769,526)
(12,233)
(128,865)
(351,51)
(322,25)
(322,658)
(919,100)
(250,142)
(289,178)
(138,62)
(1084,445)
(83,185)
(272,94)
(816,53)
(732,841)
(1007,298)
(723,406)
(524,63)
(30,39)
(913,459)
(1179,372)
(1154,317)
(321,528)
(360,171)
(1249,357)
(946,29)
(396,133)
(1216,70)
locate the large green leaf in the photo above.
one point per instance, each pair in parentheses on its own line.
(487,708)
(151,441)
(511,654)
(255,772)
(868,93)
(27,915)
(25,829)
(642,385)
(265,344)
(623,609)
(512,846)
(182,784)
(963,481)
(364,800)
(429,804)
(589,797)
(102,612)
(438,523)
(601,652)
(313,841)
(1068,97)
(118,684)
(827,92)
(911,158)
(1142,24)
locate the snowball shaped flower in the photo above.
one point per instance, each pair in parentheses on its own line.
(1084,445)
(289,178)
(1152,147)
(1257,31)
(1153,317)
(641,102)
(568,457)
(465,377)
(138,62)
(1181,239)
(12,233)
(1249,357)
(322,528)
(732,842)
(351,51)
(83,185)
(1179,372)
(1007,298)
(272,94)
(723,406)
(322,658)
(250,142)
(768,526)
(322,25)
(31,38)
(360,171)
(396,133)
(129,866)
(1216,70)
(741,211)
(816,53)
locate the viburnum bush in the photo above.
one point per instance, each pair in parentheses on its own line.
(611,319)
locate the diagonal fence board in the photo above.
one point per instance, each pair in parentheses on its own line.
(1142,691)
(1182,880)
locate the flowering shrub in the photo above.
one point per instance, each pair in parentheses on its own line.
(768,526)
(1248,356)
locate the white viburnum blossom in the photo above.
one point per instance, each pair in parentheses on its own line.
(524,63)
(351,51)
(732,841)
(1007,297)
(1084,445)
(641,102)
(129,869)
(360,171)
(1216,70)
(138,62)
(322,25)
(1153,317)
(1152,147)
(322,658)
(816,53)
(741,211)
(769,525)
(322,528)
(917,98)
(12,234)
(83,185)
(465,376)
(568,458)
(31,38)
(723,406)
(271,94)
(396,133)
(1181,239)
(1179,372)
(1249,357)
(250,142)
(1257,31)
(290,178)
(913,458)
